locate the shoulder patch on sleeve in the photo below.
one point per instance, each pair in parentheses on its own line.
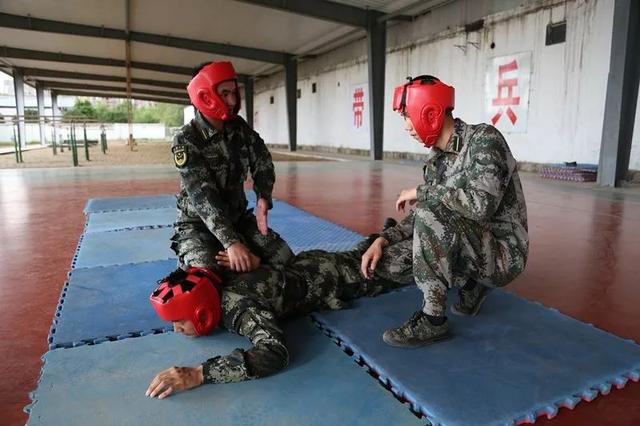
(180,156)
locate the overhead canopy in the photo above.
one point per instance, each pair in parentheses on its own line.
(78,46)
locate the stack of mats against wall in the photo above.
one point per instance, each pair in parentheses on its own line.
(570,171)
(515,361)
(107,343)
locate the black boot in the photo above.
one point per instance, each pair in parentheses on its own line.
(417,331)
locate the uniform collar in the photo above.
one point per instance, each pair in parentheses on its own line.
(456,140)
(207,131)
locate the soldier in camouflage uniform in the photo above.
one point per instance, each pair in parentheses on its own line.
(469,228)
(251,305)
(214,154)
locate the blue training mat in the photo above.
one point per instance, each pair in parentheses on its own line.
(143,235)
(105,385)
(122,247)
(110,302)
(130,219)
(130,203)
(513,362)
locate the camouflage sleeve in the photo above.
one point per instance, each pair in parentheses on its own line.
(202,190)
(268,355)
(487,177)
(262,170)
(402,231)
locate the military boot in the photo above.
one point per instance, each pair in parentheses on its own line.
(417,331)
(470,300)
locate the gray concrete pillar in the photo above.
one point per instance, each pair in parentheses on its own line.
(40,99)
(18,85)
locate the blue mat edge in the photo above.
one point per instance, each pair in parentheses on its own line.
(86,211)
(619,380)
(98,339)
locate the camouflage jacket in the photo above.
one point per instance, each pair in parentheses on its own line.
(253,303)
(474,177)
(213,167)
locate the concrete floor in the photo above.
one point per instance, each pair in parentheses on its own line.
(584,258)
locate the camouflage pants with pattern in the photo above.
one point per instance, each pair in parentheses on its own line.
(195,246)
(449,250)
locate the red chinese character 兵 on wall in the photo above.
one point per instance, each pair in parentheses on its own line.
(509,99)
(358,106)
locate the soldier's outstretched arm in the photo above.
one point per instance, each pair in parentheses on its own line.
(203,193)
(268,355)
(488,177)
(262,170)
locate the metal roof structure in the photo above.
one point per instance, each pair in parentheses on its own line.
(147,48)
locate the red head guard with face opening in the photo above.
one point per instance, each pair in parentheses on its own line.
(425,100)
(192,295)
(203,93)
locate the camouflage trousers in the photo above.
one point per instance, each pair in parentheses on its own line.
(449,250)
(195,246)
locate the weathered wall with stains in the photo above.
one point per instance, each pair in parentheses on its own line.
(567,80)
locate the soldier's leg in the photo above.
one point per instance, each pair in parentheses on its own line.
(271,248)
(396,263)
(434,245)
(197,250)
(450,250)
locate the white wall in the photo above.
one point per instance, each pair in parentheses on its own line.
(567,91)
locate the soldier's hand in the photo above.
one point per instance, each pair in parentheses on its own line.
(406,195)
(262,209)
(174,379)
(223,260)
(371,257)
(240,258)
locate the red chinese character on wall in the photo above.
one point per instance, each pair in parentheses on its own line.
(358,106)
(506,85)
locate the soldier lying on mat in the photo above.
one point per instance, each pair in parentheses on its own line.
(197,302)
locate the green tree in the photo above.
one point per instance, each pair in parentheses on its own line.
(168,114)
(111,114)
(31,114)
(81,110)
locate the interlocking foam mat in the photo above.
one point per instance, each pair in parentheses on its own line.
(130,219)
(130,236)
(122,247)
(513,362)
(130,203)
(105,384)
(108,303)
(115,271)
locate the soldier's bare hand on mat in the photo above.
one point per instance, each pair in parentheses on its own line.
(174,379)
(406,195)
(223,260)
(371,257)
(262,209)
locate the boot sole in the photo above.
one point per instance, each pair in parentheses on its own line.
(418,343)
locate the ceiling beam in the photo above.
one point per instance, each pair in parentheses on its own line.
(12,52)
(119,96)
(39,72)
(320,9)
(96,87)
(15,53)
(36,24)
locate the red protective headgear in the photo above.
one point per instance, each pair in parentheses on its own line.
(425,100)
(203,93)
(190,295)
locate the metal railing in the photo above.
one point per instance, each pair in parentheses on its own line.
(64,134)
